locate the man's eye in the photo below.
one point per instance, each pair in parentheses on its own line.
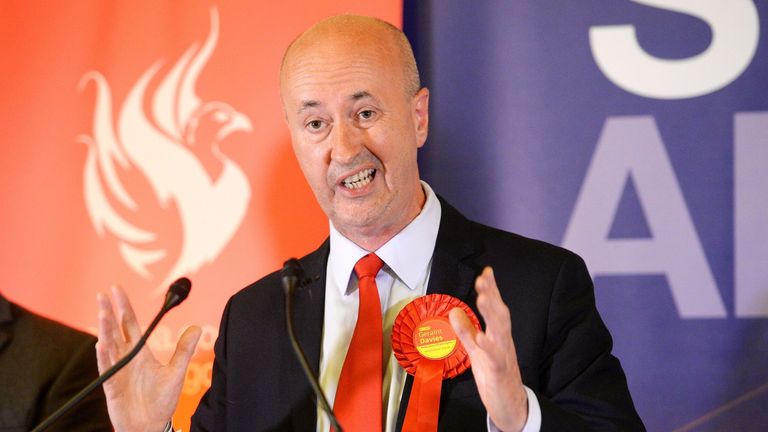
(366,114)
(315,124)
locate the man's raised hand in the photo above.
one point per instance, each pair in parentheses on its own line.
(143,396)
(493,356)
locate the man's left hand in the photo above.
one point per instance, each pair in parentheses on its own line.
(493,356)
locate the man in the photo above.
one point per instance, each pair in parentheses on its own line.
(42,365)
(357,116)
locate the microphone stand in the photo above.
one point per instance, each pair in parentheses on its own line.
(292,274)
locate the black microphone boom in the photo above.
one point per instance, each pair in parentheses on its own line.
(293,276)
(177,293)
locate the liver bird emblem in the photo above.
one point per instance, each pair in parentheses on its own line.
(174,146)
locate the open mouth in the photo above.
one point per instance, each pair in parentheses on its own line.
(362,178)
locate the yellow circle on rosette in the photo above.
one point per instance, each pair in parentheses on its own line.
(434,338)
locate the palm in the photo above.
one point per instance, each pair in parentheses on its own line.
(142,396)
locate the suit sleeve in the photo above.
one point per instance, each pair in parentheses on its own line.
(583,386)
(211,413)
(90,415)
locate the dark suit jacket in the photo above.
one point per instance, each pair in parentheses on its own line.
(563,348)
(42,364)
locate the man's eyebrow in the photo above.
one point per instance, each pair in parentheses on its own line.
(362,94)
(307,104)
(358,95)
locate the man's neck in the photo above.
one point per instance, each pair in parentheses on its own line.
(372,239)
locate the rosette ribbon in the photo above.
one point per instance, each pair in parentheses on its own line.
(426,346)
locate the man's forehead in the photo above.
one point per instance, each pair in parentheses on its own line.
(307,65)
(345,42)
(346,58)
(344,30)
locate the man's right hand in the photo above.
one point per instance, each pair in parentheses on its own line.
(143,396)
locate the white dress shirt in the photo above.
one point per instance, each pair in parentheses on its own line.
(407,264)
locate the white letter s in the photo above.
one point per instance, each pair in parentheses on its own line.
(735,29)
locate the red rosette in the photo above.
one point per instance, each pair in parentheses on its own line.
(416,312)
(426,346)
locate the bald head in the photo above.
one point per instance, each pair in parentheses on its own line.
(357,117)
(354,33)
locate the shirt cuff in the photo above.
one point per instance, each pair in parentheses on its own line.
(533,422)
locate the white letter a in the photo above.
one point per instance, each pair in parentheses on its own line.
(633,146)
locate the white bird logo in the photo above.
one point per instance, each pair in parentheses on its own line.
(174,151)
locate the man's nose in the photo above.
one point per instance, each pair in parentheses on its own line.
(347,141)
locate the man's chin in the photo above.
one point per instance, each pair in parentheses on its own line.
(356,220)
(361,223)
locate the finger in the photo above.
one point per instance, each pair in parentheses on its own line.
(185,348)
(109,331)
(493,350)
(486,284)
(491,306)
(497,340)
(104,345)
(496,317)
(128,322)
(463,328)
(489,302)
(103,357)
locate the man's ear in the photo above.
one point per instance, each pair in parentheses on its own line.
(420,105)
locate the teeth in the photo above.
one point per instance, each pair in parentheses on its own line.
(360,179)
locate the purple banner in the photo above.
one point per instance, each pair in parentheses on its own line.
(636,134)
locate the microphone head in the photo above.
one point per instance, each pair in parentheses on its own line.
(292,274)
(292,268)
(177,292)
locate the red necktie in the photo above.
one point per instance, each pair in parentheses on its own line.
(358,398)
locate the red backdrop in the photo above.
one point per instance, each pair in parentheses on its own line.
(144,140)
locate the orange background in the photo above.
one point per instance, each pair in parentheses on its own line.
(53,261)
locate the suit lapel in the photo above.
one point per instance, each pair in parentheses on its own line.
(308,311)
(452,271)
(5,319)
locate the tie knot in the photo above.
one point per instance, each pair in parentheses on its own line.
(368,265)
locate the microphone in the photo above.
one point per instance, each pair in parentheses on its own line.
(177,293)
(293,276)
(292,273)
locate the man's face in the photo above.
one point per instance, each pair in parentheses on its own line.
(355,133)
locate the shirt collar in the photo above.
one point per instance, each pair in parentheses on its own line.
(408,253)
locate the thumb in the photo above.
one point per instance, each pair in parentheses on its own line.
(185,348)
(463,328)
